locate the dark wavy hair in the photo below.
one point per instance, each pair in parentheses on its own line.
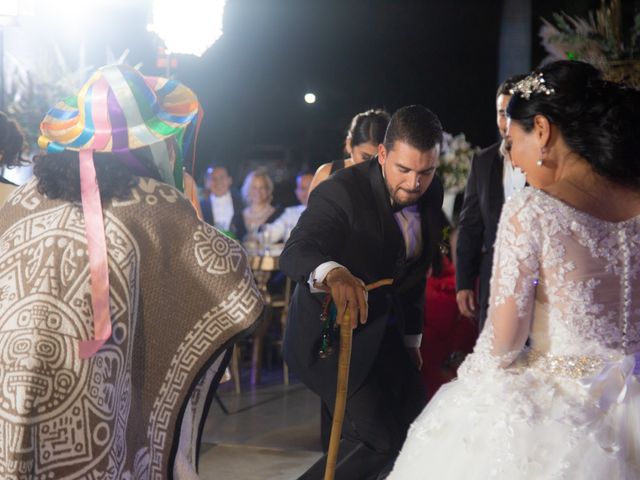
(11,143)
(415,125)
(58,174)
(368,127)
(599,120)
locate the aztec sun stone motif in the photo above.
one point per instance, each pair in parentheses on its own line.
(59,413)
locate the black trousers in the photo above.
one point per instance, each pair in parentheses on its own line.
(378,415)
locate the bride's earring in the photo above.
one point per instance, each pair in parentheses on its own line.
(540,161)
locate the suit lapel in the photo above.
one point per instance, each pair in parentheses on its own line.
(429,228)
(390,230)
(496,192)
(207,210)
(237,204)
(430,214)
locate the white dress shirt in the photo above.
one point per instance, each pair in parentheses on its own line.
(513,180)
(222,208)
(280,228)
(409,222)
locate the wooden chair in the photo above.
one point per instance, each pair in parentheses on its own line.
(263,266)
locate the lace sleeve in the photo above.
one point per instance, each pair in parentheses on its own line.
(513,280)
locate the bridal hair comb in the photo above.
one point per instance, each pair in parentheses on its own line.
(533,83)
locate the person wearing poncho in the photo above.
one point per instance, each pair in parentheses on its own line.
(115,300)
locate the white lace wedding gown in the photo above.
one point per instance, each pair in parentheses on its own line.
(568,405)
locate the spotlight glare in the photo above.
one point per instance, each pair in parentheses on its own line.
(189,27)
(9,8)
(309,98)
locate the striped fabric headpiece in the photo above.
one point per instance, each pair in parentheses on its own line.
(119,110)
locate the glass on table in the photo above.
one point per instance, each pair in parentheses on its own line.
(265,240)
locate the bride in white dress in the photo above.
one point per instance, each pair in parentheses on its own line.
(566,276)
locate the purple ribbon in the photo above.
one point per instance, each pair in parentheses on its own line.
(120,136)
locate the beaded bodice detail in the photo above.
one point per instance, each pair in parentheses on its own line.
(565,280)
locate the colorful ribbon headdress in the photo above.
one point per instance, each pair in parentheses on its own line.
(119,110)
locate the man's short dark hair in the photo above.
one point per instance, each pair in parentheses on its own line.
(414,125)
(508,84)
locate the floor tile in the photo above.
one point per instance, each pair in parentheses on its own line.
(271,431)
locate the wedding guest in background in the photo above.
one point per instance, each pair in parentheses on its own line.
(257,192)
(222,208)
(492,180)
(365,133)
(280,229)
(11,145)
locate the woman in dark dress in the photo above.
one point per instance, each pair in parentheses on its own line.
(363,137)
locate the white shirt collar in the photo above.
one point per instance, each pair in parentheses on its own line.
(226,198)
(513,179)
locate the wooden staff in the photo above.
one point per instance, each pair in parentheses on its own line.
(344,360)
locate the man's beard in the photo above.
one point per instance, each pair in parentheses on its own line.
(396,202)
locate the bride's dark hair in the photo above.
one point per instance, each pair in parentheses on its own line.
(599,120)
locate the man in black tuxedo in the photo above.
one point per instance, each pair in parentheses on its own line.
(376,220)
(492,179)
(222,208)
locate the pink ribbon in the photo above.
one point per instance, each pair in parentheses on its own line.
(97,247)
(94,224)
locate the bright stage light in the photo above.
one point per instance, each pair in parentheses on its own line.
(309,98)
(9,8)
(188,26)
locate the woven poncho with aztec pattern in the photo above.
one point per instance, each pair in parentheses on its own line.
(177,296)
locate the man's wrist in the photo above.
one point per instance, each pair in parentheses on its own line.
(327,277)
(318,276)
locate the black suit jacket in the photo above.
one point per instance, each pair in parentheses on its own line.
(349,220)
(237,226)
(483,200)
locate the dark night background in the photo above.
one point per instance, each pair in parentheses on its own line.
(353,54)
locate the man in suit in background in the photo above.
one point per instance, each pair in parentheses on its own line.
(376,220)
(221,208)
(492,180)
